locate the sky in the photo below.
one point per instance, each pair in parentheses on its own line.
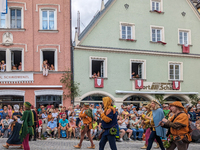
(87,8)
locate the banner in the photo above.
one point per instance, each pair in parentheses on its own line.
(3,6)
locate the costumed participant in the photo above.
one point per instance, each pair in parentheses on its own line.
(35,122)
(86,115)
(27,126)
(109,124)
(179,130)
(14,139)
(147,126)
(157,131)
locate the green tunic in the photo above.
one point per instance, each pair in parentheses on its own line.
(27,124)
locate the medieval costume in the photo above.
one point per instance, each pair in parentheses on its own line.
(27,129)
(14,139)
(35,122)
(156,131)
(147,126)
(109,124)
(87,117)
(179,130)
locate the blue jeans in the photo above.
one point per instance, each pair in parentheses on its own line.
(104,139)
(3,130)
(140,130)
(151,139)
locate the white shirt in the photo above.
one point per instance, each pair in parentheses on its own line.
(54,115)
(123,125)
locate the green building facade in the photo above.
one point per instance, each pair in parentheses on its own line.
(130,42)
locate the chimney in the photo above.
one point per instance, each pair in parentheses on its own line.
(76,41)
(102,5)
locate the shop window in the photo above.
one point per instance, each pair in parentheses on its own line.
(15,18)
(16,60)
(138,69)
(48,99)
(98,67)
(49,57)
(2,20)
(11,100)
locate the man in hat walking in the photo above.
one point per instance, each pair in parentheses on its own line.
(87,117)
(178,127)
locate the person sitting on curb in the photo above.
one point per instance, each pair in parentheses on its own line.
(52,128)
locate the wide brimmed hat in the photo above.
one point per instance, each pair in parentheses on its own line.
(133,115)
(148,106)
(177,104)
(125,107)
(156,101)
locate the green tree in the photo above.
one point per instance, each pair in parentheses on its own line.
(160,98)
(194,99)
(71,85)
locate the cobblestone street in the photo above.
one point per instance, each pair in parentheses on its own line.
(52,144)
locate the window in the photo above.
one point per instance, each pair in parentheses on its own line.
(3,60)
(50,56)
(98,66)
(157,34)
(48,20)
(2,21)
(184,37)
(138,69)
(127,31)
(15,18)
(175,71)
(156,5)
(16,60)
(48,99)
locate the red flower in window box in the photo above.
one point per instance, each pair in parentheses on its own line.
(161,42)
(186,49)
(130,39)
(158,11)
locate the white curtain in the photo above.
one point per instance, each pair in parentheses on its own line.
(3,6)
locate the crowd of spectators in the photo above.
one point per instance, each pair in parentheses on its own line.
(62,122)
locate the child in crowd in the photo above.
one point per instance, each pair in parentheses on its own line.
(94,129)
(40,127)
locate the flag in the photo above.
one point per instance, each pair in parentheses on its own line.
(3,6)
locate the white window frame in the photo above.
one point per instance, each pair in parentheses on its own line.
(55,17)
(0,20)
(132,25)
(55,58)
(160,6)
(8,17)
(101,59)
(141,61)
(180,70)
(158,28)
(188,36)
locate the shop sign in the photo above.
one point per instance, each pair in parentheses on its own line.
(156,86)
(16,77)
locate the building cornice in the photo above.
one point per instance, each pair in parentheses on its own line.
(135,51)
(31,86)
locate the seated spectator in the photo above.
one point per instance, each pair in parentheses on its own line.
(198,124)
(6,126)
(121,109)
(125,112)
(54,114)
(62,113)
(136,128)
(78,130)
(52,128)
(20,66)
(192,114)
(49,116)
(123,127)
(94,127)
(98,74)
(94,75)
(14,67)
(62,125)
(51,108)
(44,114)
(3,66)
(137,76)
(52,67)
(0,125)
(140,111)
(40,127)
(72,115)
(71,127)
